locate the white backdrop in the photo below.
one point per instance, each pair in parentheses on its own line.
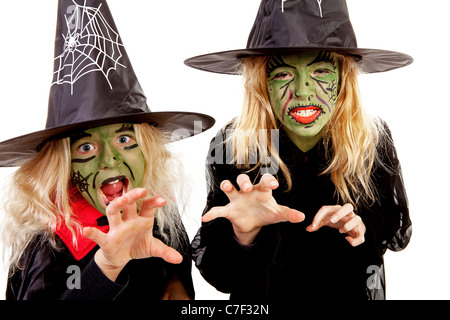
(160,35)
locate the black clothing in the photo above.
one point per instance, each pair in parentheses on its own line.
(50,274)
(286,261)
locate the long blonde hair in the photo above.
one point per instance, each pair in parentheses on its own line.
(350,137)
(37,196)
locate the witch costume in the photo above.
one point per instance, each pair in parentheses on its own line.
(285,262)
(93,85)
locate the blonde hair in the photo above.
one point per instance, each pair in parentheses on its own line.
(37,197)
(350,137)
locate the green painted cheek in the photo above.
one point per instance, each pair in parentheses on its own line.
(136,162)
(274,101)
(83,178)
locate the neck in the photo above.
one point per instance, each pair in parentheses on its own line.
(304,143)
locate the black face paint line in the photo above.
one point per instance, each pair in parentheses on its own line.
(276,62)
(286,86)
(131,147)
(320,82)
(83,160)
(333,92)
(93,181)
(78,136)
(81,182)
(125,127)
(131,171)
(323,56)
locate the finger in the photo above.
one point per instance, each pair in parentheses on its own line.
(342,212)
(135,194)
(244,183)
(267,183)
(95,235)
(351,224)
(355,241)
(291,215)
(159,249)
(113,211)
(321,217)
(130,209)
(150,204)
(230,191)
(215,212)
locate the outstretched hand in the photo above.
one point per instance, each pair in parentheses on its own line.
(130,234)
(342,218)
(252,207)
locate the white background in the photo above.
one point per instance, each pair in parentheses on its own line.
(160,35)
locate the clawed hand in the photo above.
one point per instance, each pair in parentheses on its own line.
(342,218)
(253,207)
(130,235)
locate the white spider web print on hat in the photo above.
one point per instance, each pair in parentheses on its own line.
(90,45)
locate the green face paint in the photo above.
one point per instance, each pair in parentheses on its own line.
(106,163)
(303,91)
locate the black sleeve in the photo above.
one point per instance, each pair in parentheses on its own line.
(388,220)
(45,275)
(184,269)
(220,258)
(94,285)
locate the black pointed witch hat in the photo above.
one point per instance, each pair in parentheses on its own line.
(292,26)
(94,85)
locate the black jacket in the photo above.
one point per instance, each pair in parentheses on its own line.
(50,274)
(287,262)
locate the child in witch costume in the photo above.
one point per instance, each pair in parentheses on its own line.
(331,165)
(93,209)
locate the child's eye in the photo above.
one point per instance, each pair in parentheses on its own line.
(123,139)
(282,76)
(322,71)
(85,148)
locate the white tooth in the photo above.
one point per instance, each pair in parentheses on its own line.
(114,182)
(305,113)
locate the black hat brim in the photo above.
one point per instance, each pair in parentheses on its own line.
(180,125)
(369,60)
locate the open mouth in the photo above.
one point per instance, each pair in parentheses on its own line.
(113,188)
(305,115)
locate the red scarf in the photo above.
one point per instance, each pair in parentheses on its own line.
(86,216)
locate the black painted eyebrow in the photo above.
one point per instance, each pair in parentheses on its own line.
(125,128)
(276,62)
(323,56)
(77,136)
